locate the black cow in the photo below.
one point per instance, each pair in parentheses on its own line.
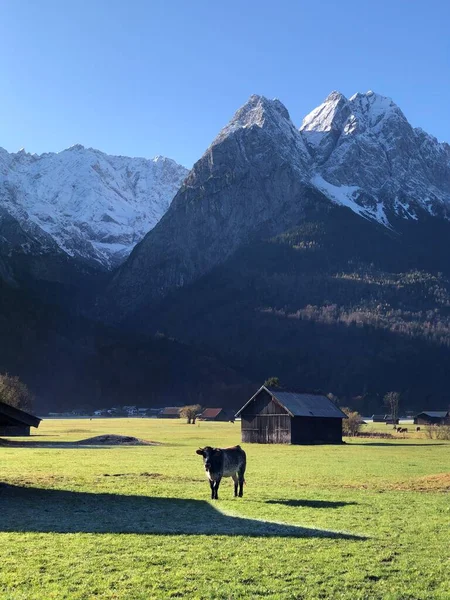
(224,462)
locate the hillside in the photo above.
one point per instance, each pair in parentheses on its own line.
(70,362)
(317,308)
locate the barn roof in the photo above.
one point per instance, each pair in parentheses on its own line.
(438,414)
(19,415)
(211,413)
(302,405)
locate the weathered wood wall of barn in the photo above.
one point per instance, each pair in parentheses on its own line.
(264,421)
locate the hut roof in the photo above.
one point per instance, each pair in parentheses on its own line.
(211,413)
(19,415)
(302,405)
(438,414)
(170,410)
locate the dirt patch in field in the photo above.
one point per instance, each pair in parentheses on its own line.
(430,483)
(151,475)
(98,440)
(115,440)
(375,434)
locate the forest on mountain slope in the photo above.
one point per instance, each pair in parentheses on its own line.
(338,304)
(70,362)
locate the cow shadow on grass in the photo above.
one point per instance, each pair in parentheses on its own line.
(40,510)
(311,503)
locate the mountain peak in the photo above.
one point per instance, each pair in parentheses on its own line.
(329,115)
(370,109)
(257,111)
(335,96)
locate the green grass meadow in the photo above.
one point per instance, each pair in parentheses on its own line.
(368,519)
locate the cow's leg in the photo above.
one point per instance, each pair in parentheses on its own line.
(241,482)
(216,489)
(235,479)
(211,485)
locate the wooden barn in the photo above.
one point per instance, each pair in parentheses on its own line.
(433,417)
(170,412)
(216,414)
(16,422)
(275,416)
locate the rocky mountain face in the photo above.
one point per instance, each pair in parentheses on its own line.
(367,156)
(319,254)
(255,178)
(80,206)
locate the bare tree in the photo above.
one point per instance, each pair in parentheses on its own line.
(352,424)
(392,401)
(15,393)
(273,382)
(190,412)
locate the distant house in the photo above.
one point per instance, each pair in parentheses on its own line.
(16,422)
(433,417)
(216,414)
(170,412)
(275,416)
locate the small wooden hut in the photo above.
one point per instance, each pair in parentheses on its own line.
(169,412)
(216,414)
(14,421)
(276,416)
(433,417)
(388,419)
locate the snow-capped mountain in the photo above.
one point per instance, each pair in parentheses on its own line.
(84,203)
(260,173)
(367,156)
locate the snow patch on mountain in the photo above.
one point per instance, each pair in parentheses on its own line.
(347,195)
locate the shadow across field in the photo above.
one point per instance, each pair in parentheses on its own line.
(311,503)
(396,444)
(27,509)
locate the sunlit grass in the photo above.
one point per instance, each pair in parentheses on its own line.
(368,519)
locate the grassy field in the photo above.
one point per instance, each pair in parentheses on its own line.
(368,519)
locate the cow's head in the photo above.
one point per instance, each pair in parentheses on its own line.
(208,454)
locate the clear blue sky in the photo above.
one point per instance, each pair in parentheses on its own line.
(147,77)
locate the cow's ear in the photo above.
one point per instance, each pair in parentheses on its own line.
(200,451)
